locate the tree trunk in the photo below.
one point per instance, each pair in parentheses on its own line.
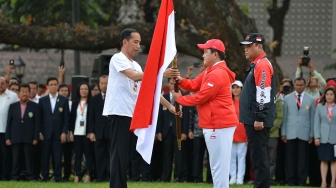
(276,21)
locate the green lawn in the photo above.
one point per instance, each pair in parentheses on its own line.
(105,185)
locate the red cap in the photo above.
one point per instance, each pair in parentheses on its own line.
(214,44)
(331,83)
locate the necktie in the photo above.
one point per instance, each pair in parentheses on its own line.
(298,102)
(103,98)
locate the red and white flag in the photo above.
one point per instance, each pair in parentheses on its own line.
(161,53)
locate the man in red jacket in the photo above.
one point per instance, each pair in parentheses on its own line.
(216,111)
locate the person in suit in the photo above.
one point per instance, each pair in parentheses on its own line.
(325,135)
(99,132)
(297,132)
(166,126)
(79,119)
(63,90)
(54,110)
(22,130)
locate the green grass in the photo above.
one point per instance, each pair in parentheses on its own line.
(22,184)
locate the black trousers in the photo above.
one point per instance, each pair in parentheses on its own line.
(157,159)
(84,146)
(199,151)
(102,159)
(67,153)
(168,154)
(314,171)
(29,162)
(5,158)
(296,162)
(280,174)
(258,142)
(51,147)
(120,141)
(138,166)
(37,159)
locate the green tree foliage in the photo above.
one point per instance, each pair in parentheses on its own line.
(55,12)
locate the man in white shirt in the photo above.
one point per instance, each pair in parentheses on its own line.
(6,99)
(33,92)
(124,82)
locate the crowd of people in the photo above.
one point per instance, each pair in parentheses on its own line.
(247,131)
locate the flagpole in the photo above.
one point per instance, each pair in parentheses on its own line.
(177,109)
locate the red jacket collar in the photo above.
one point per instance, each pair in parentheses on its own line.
(258,58)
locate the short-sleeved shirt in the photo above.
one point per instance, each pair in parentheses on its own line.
(122,91)
(6,99)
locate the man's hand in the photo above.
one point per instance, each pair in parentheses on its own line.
(34,142)
(71,137)
(8,142)
(92,137)
(190,71)
(171,73)
(171,109)
(191,135)
(61,70)
(317,142)
(283,138)
(9,69)
(63,138)
(41,137)
(258,125)
(159,136)
(311,67)
(299,62)
(183,136)
(310,140)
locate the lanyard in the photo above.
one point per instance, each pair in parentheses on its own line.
(330,112)
(81,108)
(298,102)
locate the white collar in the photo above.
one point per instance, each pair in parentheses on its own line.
(50,96)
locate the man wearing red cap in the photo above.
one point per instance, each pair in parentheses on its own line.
(257,108)
(217,115)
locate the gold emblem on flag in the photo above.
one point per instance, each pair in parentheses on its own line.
(30,114)
(60,109)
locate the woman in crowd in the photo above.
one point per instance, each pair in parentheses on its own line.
(78,131)
(325,135)
(94,89)
(68,146)
(239,146)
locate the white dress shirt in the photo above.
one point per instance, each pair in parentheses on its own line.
(53,102)
(6,99)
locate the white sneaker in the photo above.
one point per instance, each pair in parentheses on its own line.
(232,181)
(240,182)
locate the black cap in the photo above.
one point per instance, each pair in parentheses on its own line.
(253,38)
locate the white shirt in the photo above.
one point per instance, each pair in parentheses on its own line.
(35,99)
(6,99)
(301,96)
(81,116)
(53,102)
(122,91)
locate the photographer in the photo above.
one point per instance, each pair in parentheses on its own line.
(316,83)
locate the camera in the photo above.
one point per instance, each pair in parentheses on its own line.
(11,62)
(196,65)
(305,58)
(287,89)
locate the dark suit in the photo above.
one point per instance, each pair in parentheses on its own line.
(100,127)
(53,124)
(22,132)
(166,125)
(82,144)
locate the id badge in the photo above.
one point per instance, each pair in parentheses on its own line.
(81,123)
